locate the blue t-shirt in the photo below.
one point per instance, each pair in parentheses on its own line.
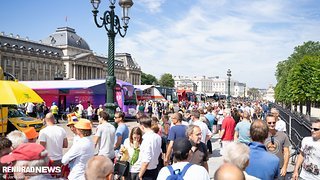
(211,118)
(122,130)
(243,128)
(177,131)
(262,164)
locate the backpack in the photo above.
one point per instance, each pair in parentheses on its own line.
(177,174)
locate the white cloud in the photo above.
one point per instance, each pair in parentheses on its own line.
(153,6)
(249,37)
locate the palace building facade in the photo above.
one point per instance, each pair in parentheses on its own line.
(62,55)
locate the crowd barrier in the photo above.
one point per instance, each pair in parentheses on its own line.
(297,126)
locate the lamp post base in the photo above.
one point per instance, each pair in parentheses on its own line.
(110,105)
(110,109)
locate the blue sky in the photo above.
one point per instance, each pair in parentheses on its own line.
(183,37)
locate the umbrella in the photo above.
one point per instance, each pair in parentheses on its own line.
(12,92)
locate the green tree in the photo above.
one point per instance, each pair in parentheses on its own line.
(253,93)
(282,71)
(148,79)
(297,76)
(166,80)
(304,81)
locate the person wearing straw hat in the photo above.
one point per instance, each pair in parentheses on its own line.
(31,134)
(80,152)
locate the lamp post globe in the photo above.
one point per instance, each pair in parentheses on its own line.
(229,94)
(111,23)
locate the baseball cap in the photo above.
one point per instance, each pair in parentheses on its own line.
(25,151)
(83,124)
(31,133)
(181,145)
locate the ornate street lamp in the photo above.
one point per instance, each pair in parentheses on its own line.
(111,22)
(244,92)
(229,96)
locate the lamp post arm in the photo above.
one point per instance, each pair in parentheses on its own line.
(95,13)
(110,22)
(118,27)
(105,20)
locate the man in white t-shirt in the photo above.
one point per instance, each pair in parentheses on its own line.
(206,133)
(181,149)
(90,111)
(280,124)
(150,150)
(105,136)
(54,139)
(309,156)
(80,108)
(29,109)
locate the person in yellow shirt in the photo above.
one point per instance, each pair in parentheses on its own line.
(76,112)
(54,110)
(100,109)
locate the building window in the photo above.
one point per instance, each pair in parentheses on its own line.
(64,70)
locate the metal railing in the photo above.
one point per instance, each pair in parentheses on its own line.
(297,126)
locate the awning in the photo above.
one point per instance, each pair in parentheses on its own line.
(143,87)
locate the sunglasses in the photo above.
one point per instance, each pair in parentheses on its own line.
(272,140)
(315,129)
(271,122)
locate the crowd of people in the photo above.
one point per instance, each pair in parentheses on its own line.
(39,110)
(169,141)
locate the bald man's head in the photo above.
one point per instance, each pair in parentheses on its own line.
(228,172)
(98,168)
(49,118)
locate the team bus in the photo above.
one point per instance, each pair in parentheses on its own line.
(67,93)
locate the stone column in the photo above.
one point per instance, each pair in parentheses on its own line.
(13,66)
(29,67)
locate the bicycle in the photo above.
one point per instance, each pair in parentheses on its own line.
(296,148)
(293,156)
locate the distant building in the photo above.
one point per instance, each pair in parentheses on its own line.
(269,95)
(62,55)
(210,85)
(185,84)
(239,89)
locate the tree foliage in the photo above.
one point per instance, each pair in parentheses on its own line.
(304,80)
(298,76)
(253,93)
(148,79)
(166,80)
